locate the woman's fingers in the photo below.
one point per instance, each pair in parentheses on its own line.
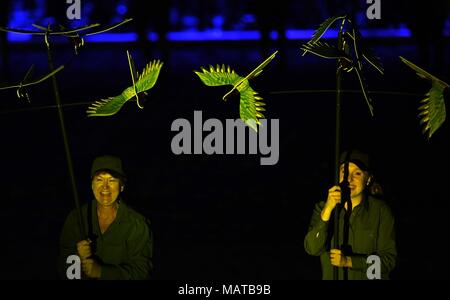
(335,251)
(334,188)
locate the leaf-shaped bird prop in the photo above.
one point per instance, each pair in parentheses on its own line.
(250,106)
(348,60)
(432,111)
(324,27)
(26,82)
(139,88)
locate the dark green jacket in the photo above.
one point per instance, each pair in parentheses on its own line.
(124,250)
(371,231)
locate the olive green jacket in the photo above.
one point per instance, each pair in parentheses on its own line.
(124,250)
(371,231)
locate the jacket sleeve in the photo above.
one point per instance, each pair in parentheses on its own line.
(139,261)
(317,234)
(386,246)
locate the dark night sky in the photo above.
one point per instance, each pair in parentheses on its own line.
(219,216)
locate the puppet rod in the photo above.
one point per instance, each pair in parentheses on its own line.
(65,140)
(337,146)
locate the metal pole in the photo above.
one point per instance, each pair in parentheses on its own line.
(66,143)
(337,209)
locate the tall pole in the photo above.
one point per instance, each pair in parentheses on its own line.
(64,134)
(337,210)
(337,146)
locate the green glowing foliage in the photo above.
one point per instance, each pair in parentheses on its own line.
(432,111)
(251,106)
(140,86)
(324,27)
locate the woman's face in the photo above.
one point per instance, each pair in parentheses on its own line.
(106,188)
(357,179)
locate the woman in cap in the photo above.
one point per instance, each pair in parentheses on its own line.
(119,243)
(367,248)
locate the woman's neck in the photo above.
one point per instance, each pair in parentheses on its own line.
(107,211)
(357,200)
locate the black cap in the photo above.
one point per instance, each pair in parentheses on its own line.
(357,157)
(109,163)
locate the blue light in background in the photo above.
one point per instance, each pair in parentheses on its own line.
(189,21)
(18,19)
(152,36)
(248,18)
(232,35)
(274,35)
(22,19)
(386,33)
(108,37)
(306,34)
(18,38)
(218,21)
(213,35)
(121,9)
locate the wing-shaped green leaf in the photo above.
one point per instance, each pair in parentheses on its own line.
(364,89)
(324,27)
(432,111)
(324,50)
(221,75)
(111,105)
(260,68)
(149,76)
(251,106)
(422,73)
(251,75)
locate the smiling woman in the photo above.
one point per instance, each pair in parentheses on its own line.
(366,226)
(119,243)
(106,189)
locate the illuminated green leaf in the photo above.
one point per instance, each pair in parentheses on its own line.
(250,106)
(140,85)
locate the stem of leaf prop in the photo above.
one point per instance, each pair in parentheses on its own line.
(337,145)
(66,143)
(346,62)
